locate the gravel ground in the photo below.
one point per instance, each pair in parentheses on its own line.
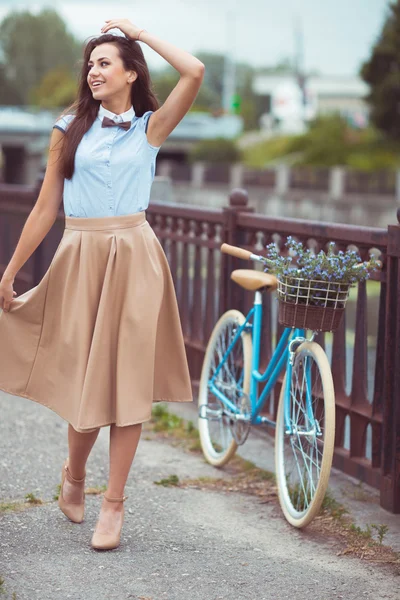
(176,543)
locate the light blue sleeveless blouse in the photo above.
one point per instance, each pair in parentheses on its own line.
(114,167)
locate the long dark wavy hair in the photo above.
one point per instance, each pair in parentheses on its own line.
(85,107)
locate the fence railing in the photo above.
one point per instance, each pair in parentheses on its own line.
(364,352)
(337,182)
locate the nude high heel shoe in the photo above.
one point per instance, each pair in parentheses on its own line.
(73,510)
(108,541)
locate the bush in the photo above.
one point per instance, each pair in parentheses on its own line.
(325,144)
(330,141)
(219,150)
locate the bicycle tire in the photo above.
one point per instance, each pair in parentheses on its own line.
(298,508)
(233,318)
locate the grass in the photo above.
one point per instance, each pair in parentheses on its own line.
(18,505)
(11,506)
(336,521)
(331,505)
(381,531)
(58,490)
(365,533)
(32,499)
(3,589)
(169,425)
(170,480)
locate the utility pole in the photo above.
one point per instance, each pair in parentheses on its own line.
(229,76)
(299,62)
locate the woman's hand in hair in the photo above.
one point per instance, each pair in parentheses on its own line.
(124,25)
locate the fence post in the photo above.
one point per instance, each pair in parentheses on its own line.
(390,481)
(238,202)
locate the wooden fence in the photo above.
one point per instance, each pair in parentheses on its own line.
(364,352)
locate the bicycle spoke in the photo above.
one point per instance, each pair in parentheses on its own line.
(300,452)
(227,371)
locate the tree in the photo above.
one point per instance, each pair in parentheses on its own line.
(31,45)
(9,96)
(165,80)
(58,88)
(382,73)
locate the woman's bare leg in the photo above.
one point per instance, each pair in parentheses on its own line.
(123,444)
(79,447)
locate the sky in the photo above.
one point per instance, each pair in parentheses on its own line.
(337,34)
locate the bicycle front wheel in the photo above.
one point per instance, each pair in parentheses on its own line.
(303,454)
(232,380)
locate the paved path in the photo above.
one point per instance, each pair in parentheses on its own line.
(360,500)
(177,543)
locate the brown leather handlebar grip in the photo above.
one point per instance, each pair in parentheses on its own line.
(235,251)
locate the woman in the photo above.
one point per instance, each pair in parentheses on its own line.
(99,339)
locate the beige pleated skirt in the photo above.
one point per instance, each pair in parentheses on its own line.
(99,339)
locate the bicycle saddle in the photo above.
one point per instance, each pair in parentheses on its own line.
(253,280)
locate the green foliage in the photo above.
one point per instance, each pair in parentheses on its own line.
(249,114)
(330,504)
(329,142)
(9,95)
(381,531)
(299,262)
(382,73)
(32,499)
(218,150)
(3,589)
(164,420)
(32,45)
(262,154)
(58,491)
(164,82)
(58,88)
(366,533)
(324,144)
(170,480)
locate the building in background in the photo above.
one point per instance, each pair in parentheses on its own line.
(290,106)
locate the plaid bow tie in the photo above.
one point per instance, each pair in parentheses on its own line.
(110,123)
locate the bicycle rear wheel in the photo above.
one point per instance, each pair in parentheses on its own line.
(233,381)
(303,458)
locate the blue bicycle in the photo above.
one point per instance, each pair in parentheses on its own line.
(229,402)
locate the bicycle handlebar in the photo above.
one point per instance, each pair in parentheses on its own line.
(239,252)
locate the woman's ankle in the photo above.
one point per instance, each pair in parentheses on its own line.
(113,498)
(77,472)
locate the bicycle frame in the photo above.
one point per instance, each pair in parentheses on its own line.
(282,358)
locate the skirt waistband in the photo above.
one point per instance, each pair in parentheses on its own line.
(103,223)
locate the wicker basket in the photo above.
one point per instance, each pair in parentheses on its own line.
(311,304)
